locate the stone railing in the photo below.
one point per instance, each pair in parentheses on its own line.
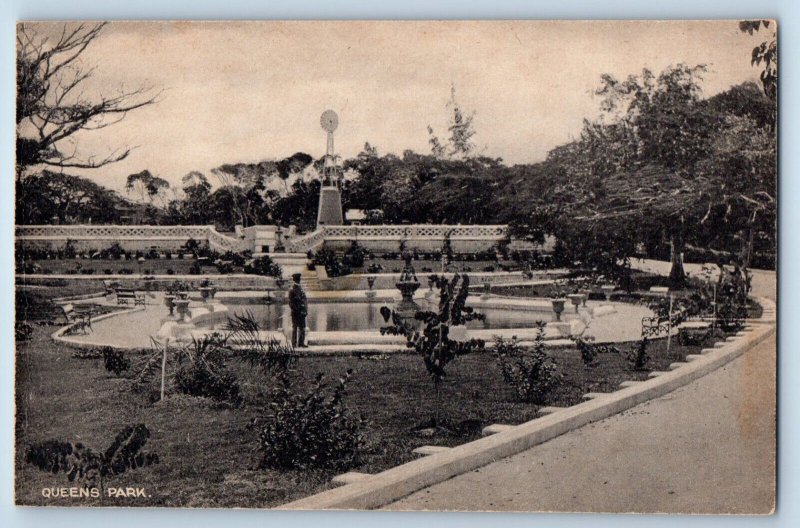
(303,243)
(421,231)
(134,237)
(464,238)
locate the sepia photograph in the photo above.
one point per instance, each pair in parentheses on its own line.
(504,266)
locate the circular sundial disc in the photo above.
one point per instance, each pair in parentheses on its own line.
(329,120)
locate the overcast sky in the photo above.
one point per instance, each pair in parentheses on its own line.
(249,91)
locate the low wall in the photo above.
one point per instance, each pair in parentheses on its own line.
(130,238)
(387,238)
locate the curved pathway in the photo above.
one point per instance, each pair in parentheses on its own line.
(708,447)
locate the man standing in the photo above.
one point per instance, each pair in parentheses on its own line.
(298,304)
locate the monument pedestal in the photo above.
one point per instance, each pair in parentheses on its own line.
(330,206)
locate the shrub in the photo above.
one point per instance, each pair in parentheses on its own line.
(433,342)
(310,429)
(194,269)
(637,355)
(264,266)
(589,349)
(170,271)
(115,361)
(533,374)
(107,271)
(200,379)
(22,331)
(202,370)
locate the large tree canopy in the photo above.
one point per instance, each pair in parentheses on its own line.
(52,107)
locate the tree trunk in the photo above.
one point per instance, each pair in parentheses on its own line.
(677,275)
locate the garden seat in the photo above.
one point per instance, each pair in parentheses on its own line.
(78,320)
(126,296)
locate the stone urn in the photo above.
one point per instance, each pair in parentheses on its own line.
(575,299)
(169,302)
(370,283)
(183,295)
(585,294)
(182,306)
(205,293)
(408,285)
(558,307)
(608,289)
(487,289)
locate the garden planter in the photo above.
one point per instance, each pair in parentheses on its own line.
(585,294)
(575,299)
(558,307)
(205,293)
(183,308)
(169,302)
(608,289)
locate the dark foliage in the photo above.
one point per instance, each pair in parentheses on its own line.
(313,429)
(532,373)
(90,468)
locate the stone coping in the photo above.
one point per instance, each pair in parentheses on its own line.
(377,490)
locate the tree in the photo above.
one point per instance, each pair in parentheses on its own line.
(70,199)
(765,53)
(52,107)
(459,144)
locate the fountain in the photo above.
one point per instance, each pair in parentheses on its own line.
(408,285)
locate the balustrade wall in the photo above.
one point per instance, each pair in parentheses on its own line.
(383,238)
(130,238)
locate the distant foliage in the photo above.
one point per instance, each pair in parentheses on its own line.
(533,374)
(312,429)
(90,468)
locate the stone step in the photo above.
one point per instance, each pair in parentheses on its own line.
(656,373)
(629,383)
(676,365)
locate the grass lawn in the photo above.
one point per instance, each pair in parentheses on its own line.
(208,450)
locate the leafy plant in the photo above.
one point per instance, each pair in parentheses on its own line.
(433,342)
(637,355)
(202,372)
(311,429)
(115,361)
(533,374)
(590,350)
(92,468)
(270,355)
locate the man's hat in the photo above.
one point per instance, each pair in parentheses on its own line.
(296,276)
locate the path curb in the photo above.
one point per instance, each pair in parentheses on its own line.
(390,485)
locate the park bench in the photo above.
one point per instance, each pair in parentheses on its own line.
(660,324)
(657,291)
(78,320)
(126,296)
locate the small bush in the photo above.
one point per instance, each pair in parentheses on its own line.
(311,429)
(533,374)
(199,379)
(637,355)
(22,331)
(115,361)
(264,266)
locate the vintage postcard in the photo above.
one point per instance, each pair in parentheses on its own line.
(405,265)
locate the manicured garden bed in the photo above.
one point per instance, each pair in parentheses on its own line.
(208,450)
